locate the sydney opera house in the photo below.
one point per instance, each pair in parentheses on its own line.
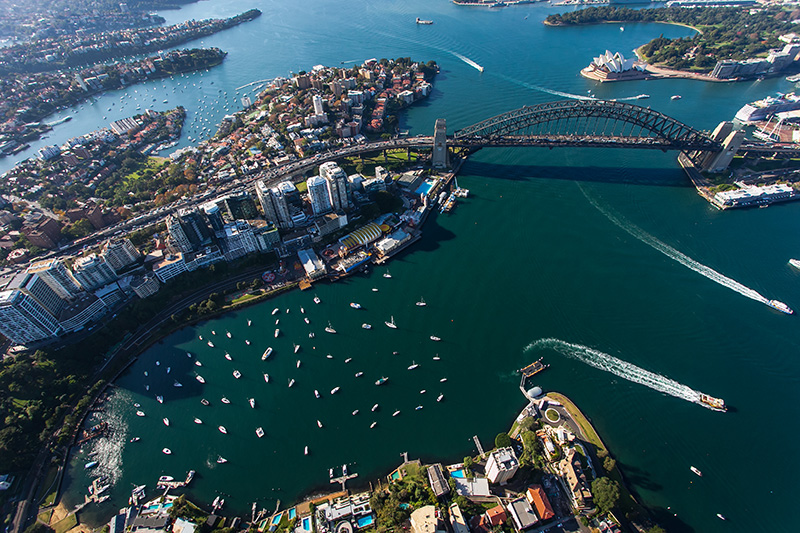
(614,67)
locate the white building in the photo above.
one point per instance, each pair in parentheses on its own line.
(145,286)
(92,272)
(501,465)
(317,101)
(169,267)
(311,263)
(24,320)
(56,274)
(614,62)
(239,240)
(273,202)
(319,195)
(178,235)
(120,253)
(338,185)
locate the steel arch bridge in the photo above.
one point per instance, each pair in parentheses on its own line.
(589,123)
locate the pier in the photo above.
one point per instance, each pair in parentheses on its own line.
(343,479)
(176,484)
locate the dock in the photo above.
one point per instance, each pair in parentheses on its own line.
(533,368)
(176,484)
(343,479)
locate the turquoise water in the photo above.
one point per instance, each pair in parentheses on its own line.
(292,513)
(306,524)
(457,473)
(365,521)
(576,246)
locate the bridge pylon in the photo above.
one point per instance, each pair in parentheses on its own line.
(440,158)
(730,140)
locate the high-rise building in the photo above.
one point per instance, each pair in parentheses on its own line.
(239,206)
(501,465)
(188,230)
(290,192)
(34,285)
(56,274)
(23,319)
(273,202)
(319,194)
(92,272)
(214,216)
(439,159)
(119,253)
(178,236)
(239,240)
(318,109)
(338,186)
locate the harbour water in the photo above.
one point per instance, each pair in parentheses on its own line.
(550,245)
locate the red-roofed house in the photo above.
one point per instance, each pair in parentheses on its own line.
(538,499)
(496,515)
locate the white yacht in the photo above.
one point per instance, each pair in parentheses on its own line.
(228,356)
(197,421)
(276,311)
(330,329)
(355,305)
(165,420)
(166,451)
(211,344)
(197,362)
(266,378)
(237,374)
(260,432)
(366,326)
(277,332)
(373,425)
(222,430)
(387,274)
(348,359)
(221,460)
(200,378)
(396,413)
(374,407)
(413,365)
(440,397)
(305,451)
(160,399)
(306,320)
(335,390)
(252,402)
(316,393)
(359,374)
(421,303)
(317,300)
(225,400)
(298,363)
(355,412)
(391,323)
(266,353)
(228,333)
(435,338)
(319,424)
(296,348)
(291,382)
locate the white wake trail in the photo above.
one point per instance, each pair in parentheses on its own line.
(545,89)
(467,60)
(674,254)
(618,367)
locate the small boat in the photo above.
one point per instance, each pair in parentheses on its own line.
(306,320)
(221,460)
(277,332)
(316,393)
(200,337)
(366,326)
(252,402)
(160,399)
(165,420)
(237,374)
(266,353)
(188,355)
(211,344)
(317,300)
(200,378)
(442,380)
(396,413)
(198,363)
(205,402)
(374,407)
(423,391)
(721,517)
(197,421)
(642,96)
(355,412)
(228,356)
(225,400)
(287,311)
(413,365)
(266,378)
(675,97)
(373,425)
(437,358)
(335,390)
(302,310)
(387,274)
(276,311)
(355,305)
(374,289)
(417,408)
(298,363)
(319,424)
(166,451)
(330,329)
(348,359)
(166,479)
(381,381)
(291,382)
(329,356)
(391,323)
(359,374)
(260,432)
(247,342)
(90,464)
(135,439)
(696,471)
(435,338)
(222,430)
(305,451)
(780,306)
(311,335)
(249,322)
(421,303)
(296,348)
(145,373)
(177,384)
(440,397)
(169,369)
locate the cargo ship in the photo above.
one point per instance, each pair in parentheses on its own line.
(717,404)
(763,109)
(780,306)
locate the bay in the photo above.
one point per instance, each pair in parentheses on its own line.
(534,253)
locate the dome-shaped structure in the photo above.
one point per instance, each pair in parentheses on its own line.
(535,392)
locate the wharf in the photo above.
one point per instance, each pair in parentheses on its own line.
(343,479)
(176,484)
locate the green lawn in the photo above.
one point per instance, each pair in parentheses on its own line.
(153,163)
(48,484)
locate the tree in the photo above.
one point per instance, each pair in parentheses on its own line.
(606,493)
(502,440)
(609,464)
(656,529)
(468,463)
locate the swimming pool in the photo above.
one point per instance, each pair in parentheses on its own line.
(365,521)
(458,473)
(306,523)
(276,519)
(395,475)
(292,513)
(424,188)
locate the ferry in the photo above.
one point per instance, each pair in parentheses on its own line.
(696,471)
(381,381)
(795,263)
(355,305)
(716,404)
(266,353)
(200,379)
(391,323)
(366,326)
(780,306)
(260,432)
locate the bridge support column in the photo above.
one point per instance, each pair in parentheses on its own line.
(731,140)
(439,158)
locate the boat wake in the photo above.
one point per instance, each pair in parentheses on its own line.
(468,61)
(618,367)
(545,89)
(674,254)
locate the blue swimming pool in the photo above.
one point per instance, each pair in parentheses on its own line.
(276,519)
(306,523)
(365,521)
(424,188)
(458,473)
(292,513)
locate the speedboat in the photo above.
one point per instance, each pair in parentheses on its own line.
(316,393)
(221,460)
(90,464)
(266,378)
(252,402)
(291,382)
(355,412)
(228,333)
(225,400)
(373,425)
(355,305)
(211,344)
(440,397)
(306,320)
(200,378)
(359,374)
(160,399)
(435,338)
(135,439)
(317,300)
(277,332)
(696,471)
(366,326)
(396,413)
(417,408)
(335,390)
(381,381)
(237,374)
(197,421)
(166,451)
(205,402)
(330,329)
(260,432)
(413,365)
(276,311)
(296,348)
(319,424)
(222,430)
(228,356)
(374,407)
(348,359)
(266,353)
(165,420)
(421,303)
(298,363)
(391,323)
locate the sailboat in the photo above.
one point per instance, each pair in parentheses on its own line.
(391,323)
(421,303)
(413,365)
(330,329)
(387,274)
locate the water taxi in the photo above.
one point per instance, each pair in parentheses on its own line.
(266,353)
(222,430)
(355,305)
(381,381)
(366,326)
(237,374)
(696,471)
(200,378)
(260,432)
(166,421)
(277,332)
(252,402)
(391,323)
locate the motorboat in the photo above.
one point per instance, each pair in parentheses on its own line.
(421,303)
(335,390)
(374,407)
(319,424)
(222,430)
(387,274)
(391,323)
(225,400)
(135,439)
(355,305)
(373,425)
(442,380)
(675,97)
(247,342)
(210,344)
(381,381)
(417,408)
(696,471)
(228,333)
(160,399)
(298,363)
(228,356)
(260,432)
(316,394)
(237,374)
(348,359)
(374,289)
(197,363)
(413,365)
(266,377)
(359,374)
(330,329)
(423,391)
(329,356)
(306,320)
(252,402)
(165,420)
(166,451)
(296,348)
(177,384)
(221,460)
(90,464)
(205,402)
(200,378)
(355,412)
(277,332)
(437,358)
(197,421)
(291,382)
(302,310)
(317,300)
(440,397)
(266,353)
(721,517)
(435,338)
(249,322)
(276,311)
(366,326)
(396,413)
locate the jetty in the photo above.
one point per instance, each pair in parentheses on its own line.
(533,368)
(176,484)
